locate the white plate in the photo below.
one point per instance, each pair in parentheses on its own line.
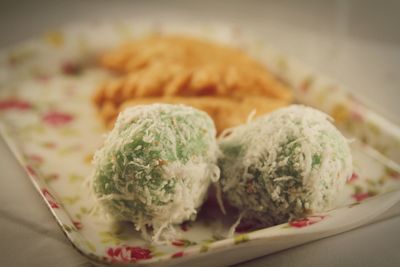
(50,125)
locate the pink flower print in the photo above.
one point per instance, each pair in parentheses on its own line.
(30,170)
(300,223)
(50,199)
(352,178)
(71,68)
(42,77)
(78,225)
(36,159)
(55,118)
(177,254)
(356,115)
(178,243)
(14,104)
(361,196)
(128,254)
(183,243)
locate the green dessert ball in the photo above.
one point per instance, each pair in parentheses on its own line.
(155,166)
(285,165)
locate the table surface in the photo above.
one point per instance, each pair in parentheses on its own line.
(354,42)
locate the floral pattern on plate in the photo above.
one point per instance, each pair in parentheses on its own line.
(47,120)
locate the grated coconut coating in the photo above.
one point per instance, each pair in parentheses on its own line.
(155,167)
(285,165)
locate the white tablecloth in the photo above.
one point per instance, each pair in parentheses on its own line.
(355,42)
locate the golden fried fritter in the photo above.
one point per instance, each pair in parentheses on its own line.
(221,80)
(177,65)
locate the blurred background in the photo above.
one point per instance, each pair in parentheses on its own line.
(356,42)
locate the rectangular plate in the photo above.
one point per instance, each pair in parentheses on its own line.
(47,120)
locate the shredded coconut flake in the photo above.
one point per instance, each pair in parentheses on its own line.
(155,167)
(284,165)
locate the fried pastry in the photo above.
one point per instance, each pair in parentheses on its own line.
(177,65)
